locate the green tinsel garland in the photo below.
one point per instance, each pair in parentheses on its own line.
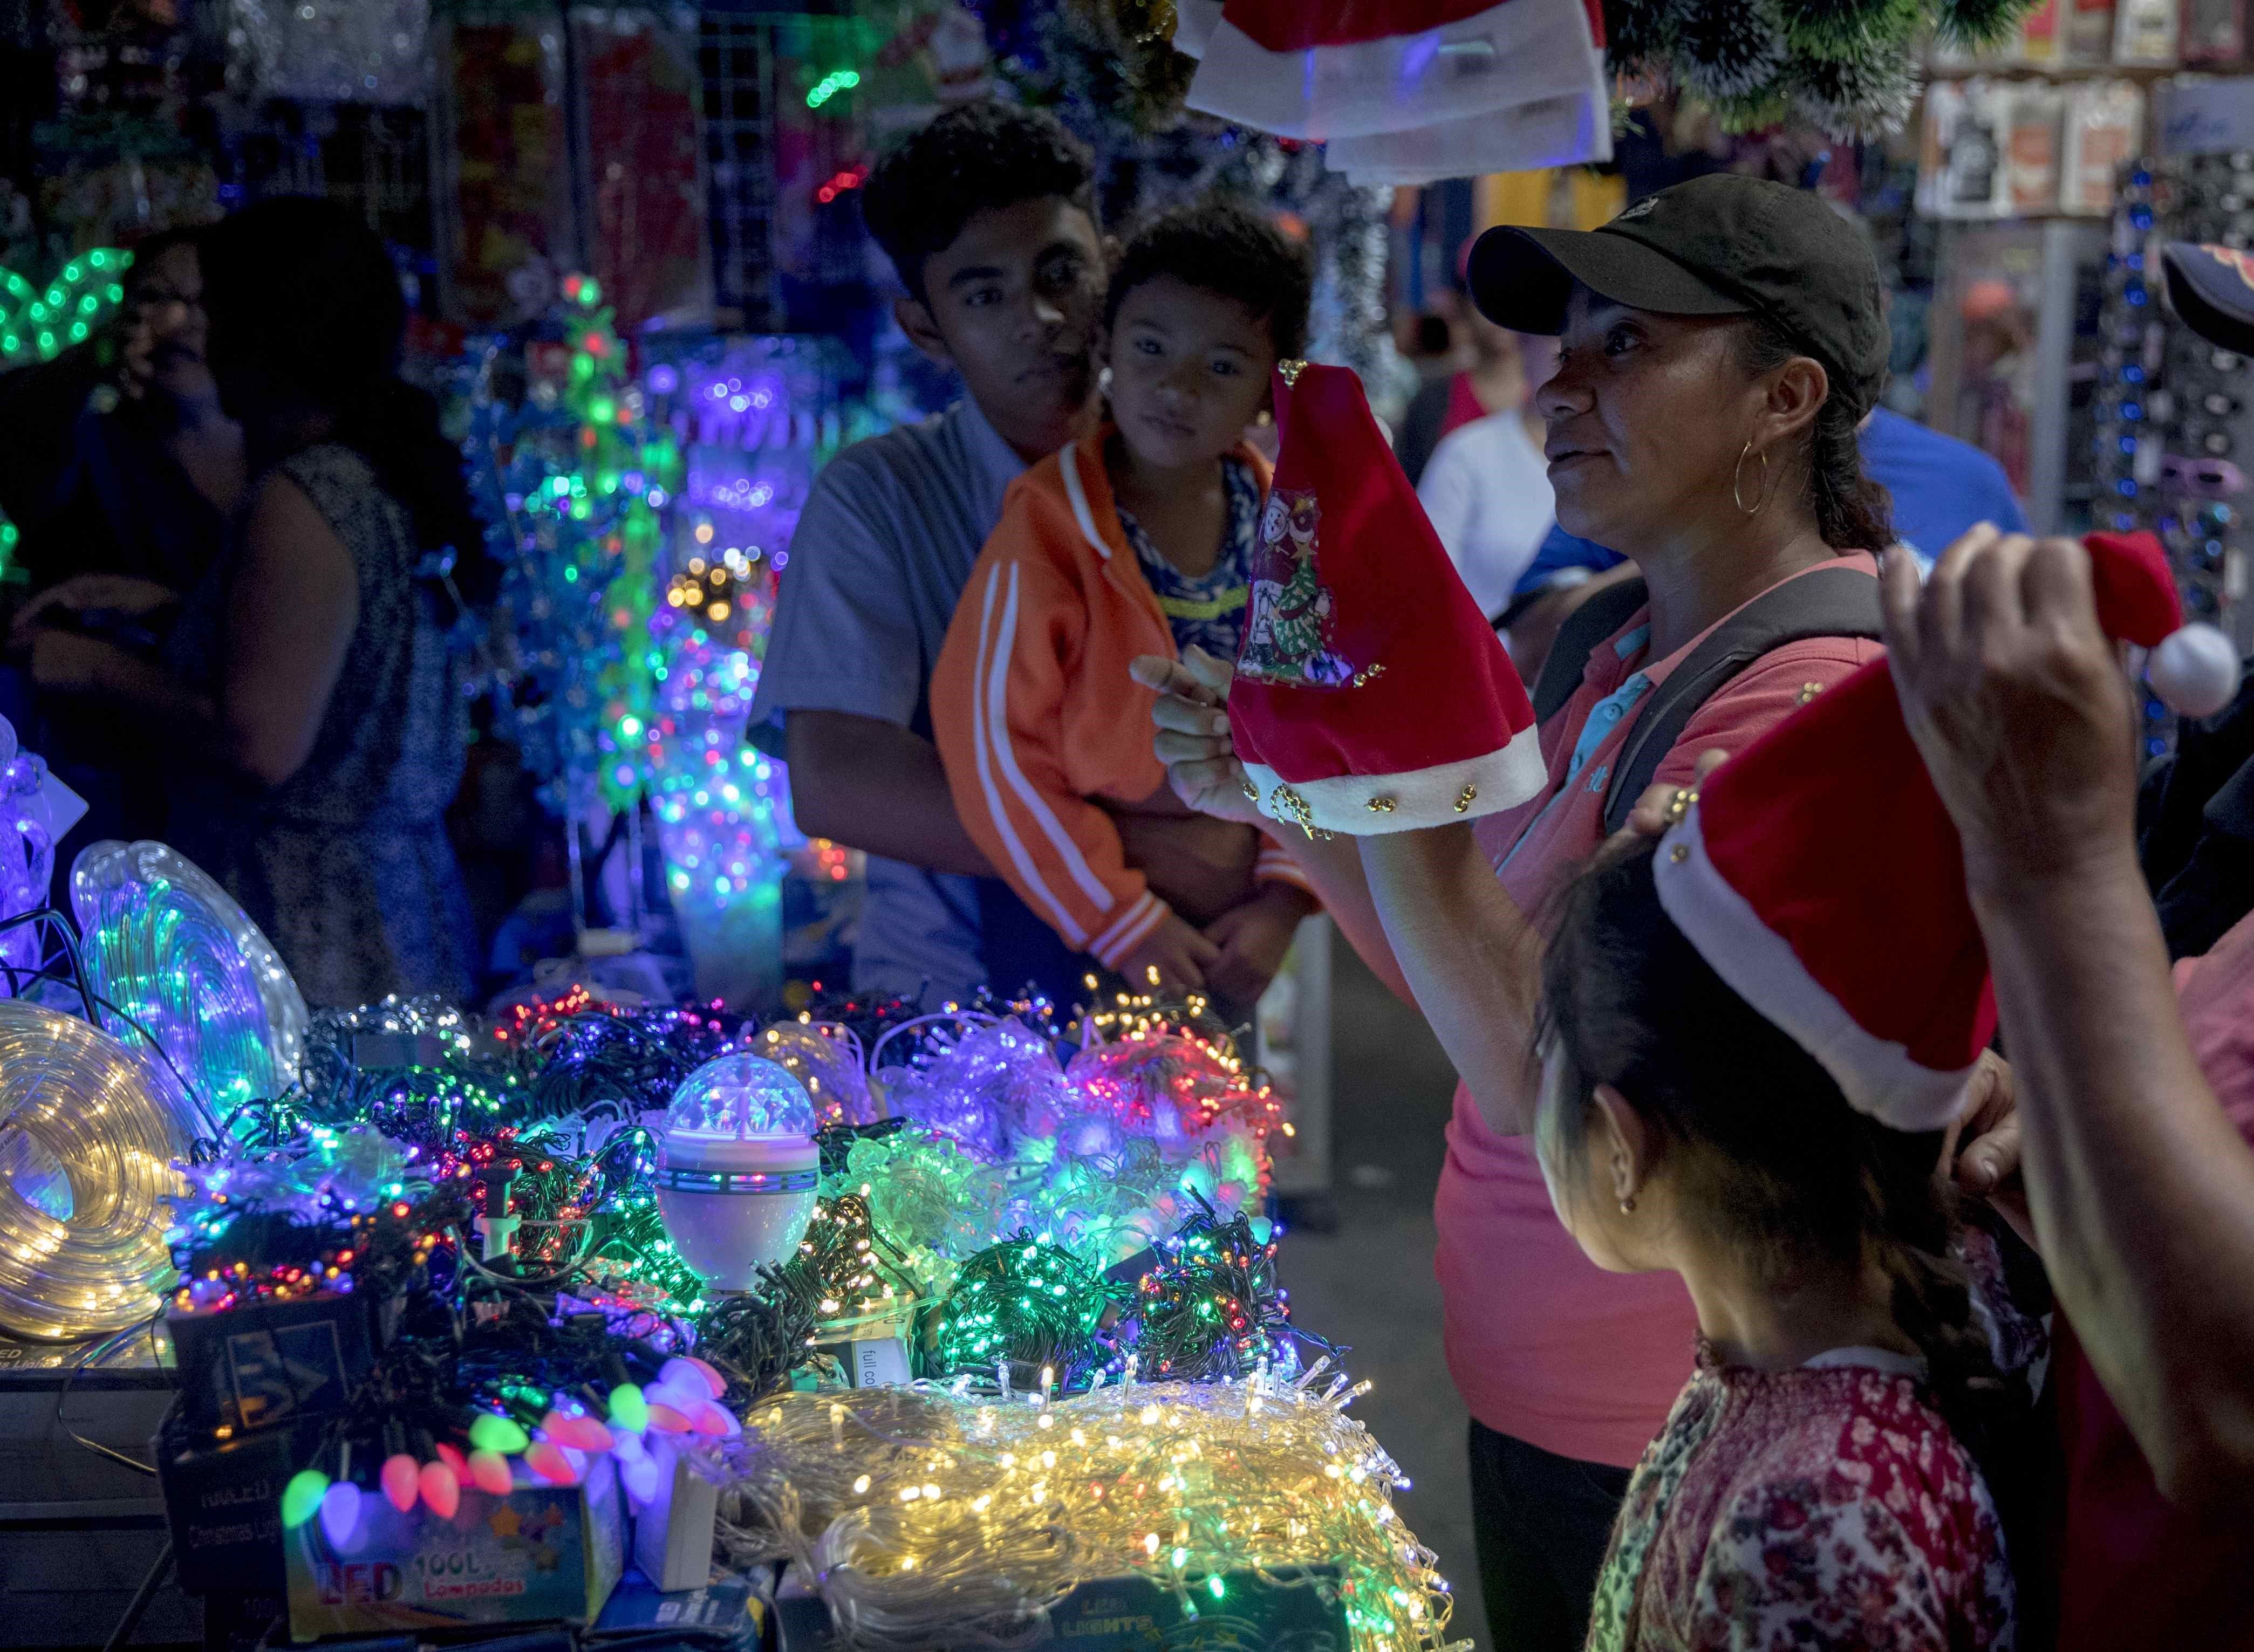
(1638,33)
(1979,23)
(1854,98)
(1727,49)
(1849,66)
(1853,31)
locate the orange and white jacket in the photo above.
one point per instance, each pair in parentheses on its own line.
(1036,718)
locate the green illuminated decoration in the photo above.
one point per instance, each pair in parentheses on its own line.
(38,327)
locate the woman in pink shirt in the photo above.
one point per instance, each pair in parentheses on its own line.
(1721,340)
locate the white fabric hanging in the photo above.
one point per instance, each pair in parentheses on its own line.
(1407,91)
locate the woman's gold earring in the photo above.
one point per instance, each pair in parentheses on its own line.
(1628,1205)
(1738,481)
(1263,418)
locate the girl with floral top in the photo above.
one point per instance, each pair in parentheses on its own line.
(1818,1482)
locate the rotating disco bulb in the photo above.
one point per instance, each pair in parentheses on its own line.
(737,1169)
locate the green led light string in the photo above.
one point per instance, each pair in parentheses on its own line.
(38,327)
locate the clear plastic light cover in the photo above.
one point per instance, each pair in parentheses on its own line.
(739,1098)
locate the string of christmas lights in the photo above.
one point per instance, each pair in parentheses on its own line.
(88,1133)
(38,325)
(183,964)
(930,1517)
(1025,1310)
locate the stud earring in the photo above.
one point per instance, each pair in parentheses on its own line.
(1628,1205)
(1103,380)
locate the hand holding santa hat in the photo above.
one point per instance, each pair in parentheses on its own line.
(1371,695)
(1820,875)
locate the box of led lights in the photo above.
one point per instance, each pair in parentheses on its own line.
(1288,1609)
(540,1554)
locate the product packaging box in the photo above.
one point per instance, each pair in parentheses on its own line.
(223,1501)
(541,1554)
(1300,1611)
(735,1604)
(265,1363)
(672,1532)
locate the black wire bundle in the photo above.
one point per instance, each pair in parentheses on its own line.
(633,1060)
(756,1339)
(1211,1308)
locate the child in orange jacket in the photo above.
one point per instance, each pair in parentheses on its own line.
(1134,540)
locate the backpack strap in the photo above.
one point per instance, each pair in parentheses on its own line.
(1827,602)
(1583,628)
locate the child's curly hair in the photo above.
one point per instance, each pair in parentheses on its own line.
(1222,244)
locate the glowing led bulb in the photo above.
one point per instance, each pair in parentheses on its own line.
(737,1168)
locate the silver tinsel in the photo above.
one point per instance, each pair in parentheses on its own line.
(330,50)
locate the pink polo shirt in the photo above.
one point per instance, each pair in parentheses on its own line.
(1544,1344)
(2136,1573)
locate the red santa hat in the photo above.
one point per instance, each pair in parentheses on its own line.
(1819,875)
(1371,694)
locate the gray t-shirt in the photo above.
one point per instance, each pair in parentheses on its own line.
(878,561)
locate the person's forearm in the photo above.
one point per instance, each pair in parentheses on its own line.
(876,786)
(171,716)
(1333,866)
(1470,958)
(2142,1192)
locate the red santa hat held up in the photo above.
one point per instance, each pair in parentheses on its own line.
(1821,877)
(1371,694)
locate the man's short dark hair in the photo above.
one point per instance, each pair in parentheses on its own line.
(969,160)
(1224,245)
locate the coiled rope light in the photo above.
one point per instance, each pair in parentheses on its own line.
(81,1112)
(171,949)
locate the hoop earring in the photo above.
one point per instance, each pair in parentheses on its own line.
(1737,481)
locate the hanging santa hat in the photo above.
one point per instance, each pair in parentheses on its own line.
(1408,91)
(1819,875)
(1372,694)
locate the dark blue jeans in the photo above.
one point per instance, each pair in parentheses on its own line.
(1542,1522)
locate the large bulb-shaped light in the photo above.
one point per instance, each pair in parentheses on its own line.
(733,1098)
(737,1169)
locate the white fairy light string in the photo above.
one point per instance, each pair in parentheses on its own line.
(930,1517)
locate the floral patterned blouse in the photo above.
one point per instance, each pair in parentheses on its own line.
(1826,1507)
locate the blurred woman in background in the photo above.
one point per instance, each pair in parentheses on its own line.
(307,690)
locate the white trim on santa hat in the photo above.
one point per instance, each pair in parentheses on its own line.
(1512,53)
(1569,129)
(1877,1075)
(1194,22)
(1502,779)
